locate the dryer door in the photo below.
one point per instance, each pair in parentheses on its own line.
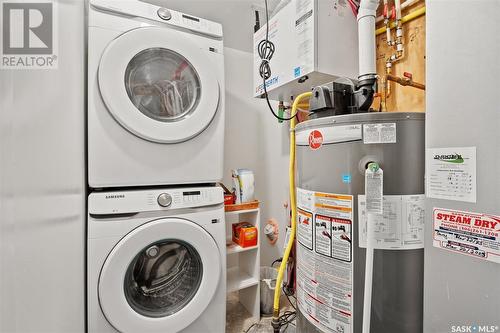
(160,277)
(159,84)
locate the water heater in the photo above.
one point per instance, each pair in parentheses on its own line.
(332,156)
(315,41)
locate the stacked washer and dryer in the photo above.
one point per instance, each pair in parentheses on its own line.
(156,234)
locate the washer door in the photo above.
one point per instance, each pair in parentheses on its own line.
(160,277)
(158,84)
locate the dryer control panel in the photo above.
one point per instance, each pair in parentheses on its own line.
(136,201)
(160,14)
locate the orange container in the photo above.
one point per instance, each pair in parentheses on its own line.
(245,234)
(229,199)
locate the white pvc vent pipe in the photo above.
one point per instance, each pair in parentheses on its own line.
(366,30)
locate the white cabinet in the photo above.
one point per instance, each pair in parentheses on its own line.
(243,264)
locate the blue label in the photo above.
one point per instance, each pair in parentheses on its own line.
(297,71)
(346,178)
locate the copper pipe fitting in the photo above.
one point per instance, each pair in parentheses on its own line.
(405,81)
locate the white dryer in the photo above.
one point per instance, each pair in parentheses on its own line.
(156,261)
(155,96)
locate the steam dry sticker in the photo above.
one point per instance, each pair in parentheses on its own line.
(472,234)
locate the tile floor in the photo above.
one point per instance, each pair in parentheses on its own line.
(239,320)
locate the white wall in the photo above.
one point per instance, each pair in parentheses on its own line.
(42,187)
(236,16)
(255,140)
(462,60)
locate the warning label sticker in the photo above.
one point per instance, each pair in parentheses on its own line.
(305,228)
(472,234)
(325,271)
(323,234)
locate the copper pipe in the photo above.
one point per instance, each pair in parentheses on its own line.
(388,71)
(385,90)
(405,81)
(383,96)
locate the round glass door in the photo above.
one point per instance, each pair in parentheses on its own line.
(162,84)
(163,278)
(159,84)
(161,275)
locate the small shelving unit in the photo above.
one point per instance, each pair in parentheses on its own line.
(243,263)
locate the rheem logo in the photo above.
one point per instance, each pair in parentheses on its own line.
(315,139)
(28,35)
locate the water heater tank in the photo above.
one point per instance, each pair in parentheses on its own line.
(332,155)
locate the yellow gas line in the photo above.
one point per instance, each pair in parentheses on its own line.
(293,205)
(413,15)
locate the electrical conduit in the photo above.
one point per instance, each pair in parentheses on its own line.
(293,206)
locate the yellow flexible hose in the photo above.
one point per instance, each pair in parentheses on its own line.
(293,206)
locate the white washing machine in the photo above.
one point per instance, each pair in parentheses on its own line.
(155,96)
(156,261)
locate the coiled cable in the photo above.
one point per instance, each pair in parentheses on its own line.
(266,49)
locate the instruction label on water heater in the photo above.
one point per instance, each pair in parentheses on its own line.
(451,173)
(325,271)
(379,133)
(400,227)
(374,190)
(472,234)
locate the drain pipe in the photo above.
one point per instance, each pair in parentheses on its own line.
(374,193)
(367,81)
(367,56)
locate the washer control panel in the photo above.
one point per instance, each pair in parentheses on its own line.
(136,201)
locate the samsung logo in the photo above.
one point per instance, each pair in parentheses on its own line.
(115,196)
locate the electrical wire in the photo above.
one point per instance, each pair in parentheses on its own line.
(266,49)
(287,318)
(287,294)
(277,260)
(251,326)
(354,8)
